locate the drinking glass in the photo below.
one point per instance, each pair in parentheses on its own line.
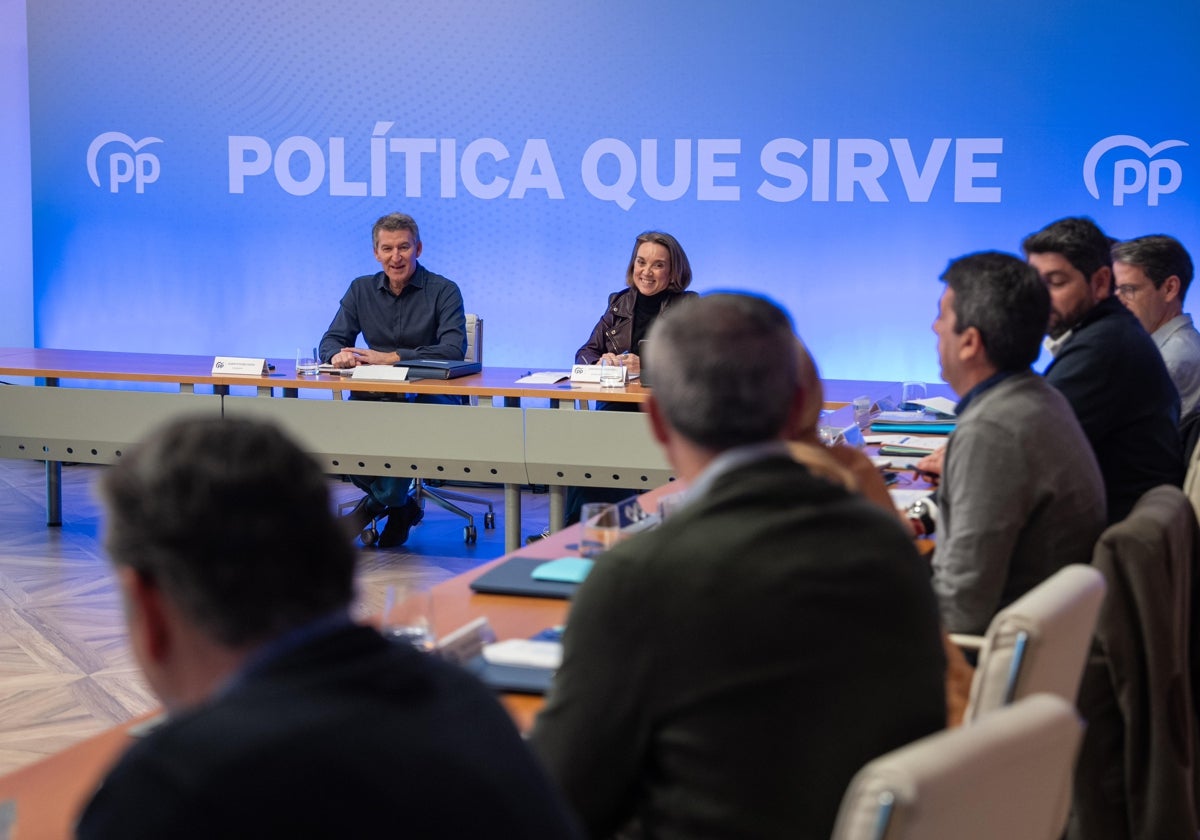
(909,392)
(862,412)
(611,376)
(408,617)
(601,528)
(306,365)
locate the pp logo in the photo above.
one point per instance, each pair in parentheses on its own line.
(124,167)
(1132,175)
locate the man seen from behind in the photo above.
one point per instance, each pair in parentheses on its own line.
(285,718)
(725,674)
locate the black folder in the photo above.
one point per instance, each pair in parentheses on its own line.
(515,577)
(438,368)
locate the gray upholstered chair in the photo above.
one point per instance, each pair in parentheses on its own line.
(442,497)
(1006,776)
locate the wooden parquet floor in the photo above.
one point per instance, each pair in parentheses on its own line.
(66,671)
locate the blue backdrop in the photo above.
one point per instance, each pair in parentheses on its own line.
(204,178)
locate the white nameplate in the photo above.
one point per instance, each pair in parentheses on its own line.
(467,642)
(381,373)
(238,366)
(614,374)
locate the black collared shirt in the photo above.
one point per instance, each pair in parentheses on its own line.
(425,321)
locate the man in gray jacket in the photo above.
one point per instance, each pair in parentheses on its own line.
(1021,494)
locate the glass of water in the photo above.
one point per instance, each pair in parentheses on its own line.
(611,376)
(307,365)
(601,523)
(408,617)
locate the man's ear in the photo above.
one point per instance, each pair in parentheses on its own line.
(970,347)
(1102,283)
(1171,288)
(146,615)
(658,423)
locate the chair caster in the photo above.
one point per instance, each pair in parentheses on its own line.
(489,520)
(469,535)
(369,535)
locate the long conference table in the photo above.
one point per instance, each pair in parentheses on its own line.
(50,794)
(82,406)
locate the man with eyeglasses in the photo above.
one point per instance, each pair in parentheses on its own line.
(1153,274)
(1106,365)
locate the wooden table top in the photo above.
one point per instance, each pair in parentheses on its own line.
(106,365)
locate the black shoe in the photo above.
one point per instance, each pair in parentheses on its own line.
(532,538)
(400,520)
(359,516)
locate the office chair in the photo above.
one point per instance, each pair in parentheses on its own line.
(442,497)
(1005,776)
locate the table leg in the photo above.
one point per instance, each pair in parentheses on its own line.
(558,506)
(53,493)
(512,517)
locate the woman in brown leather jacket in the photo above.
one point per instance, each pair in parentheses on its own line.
(657,277)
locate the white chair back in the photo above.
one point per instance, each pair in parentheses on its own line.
(1007,776)
(1039,643)
(474,339)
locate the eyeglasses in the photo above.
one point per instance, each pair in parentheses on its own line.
(1127,291)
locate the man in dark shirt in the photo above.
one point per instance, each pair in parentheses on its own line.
(1106,364)
(286,718)
(403,312)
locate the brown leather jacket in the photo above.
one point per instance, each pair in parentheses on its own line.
(613,333)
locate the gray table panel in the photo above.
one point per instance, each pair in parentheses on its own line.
(460,443)
(86,425)
(592,449)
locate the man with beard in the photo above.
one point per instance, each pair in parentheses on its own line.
(1106,364)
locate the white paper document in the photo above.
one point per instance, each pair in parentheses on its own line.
(381,373)
(941,405)
(544,377)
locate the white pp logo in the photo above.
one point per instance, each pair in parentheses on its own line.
(1132,175)
(124,166)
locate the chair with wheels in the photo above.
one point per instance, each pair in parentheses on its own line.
(370,529)
(442,497)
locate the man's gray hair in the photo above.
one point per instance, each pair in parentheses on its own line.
(724,368)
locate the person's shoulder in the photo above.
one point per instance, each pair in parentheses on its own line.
(1183,338)
(427,278)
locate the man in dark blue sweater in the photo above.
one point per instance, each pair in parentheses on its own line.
(1106,364)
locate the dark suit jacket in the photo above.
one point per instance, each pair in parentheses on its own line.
(349,736)
(1113,376)
(727,673)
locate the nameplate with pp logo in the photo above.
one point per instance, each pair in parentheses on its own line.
(595,374)
(238,366)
